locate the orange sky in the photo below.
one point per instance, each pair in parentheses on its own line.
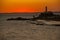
(28,5)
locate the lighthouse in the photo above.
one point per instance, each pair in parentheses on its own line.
(46,9)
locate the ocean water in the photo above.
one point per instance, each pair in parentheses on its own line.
(24,30)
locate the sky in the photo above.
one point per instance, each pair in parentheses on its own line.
(29,5)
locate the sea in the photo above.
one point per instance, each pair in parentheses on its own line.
(25,30)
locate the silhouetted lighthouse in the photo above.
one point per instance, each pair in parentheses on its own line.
(46,9)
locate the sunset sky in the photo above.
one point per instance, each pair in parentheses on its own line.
(28,5)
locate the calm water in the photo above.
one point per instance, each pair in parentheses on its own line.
(24,30)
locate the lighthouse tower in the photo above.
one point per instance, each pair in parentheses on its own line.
(46,9)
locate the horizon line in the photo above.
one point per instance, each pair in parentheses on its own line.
(28,12)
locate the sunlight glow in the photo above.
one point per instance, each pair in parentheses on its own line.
(29,5)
